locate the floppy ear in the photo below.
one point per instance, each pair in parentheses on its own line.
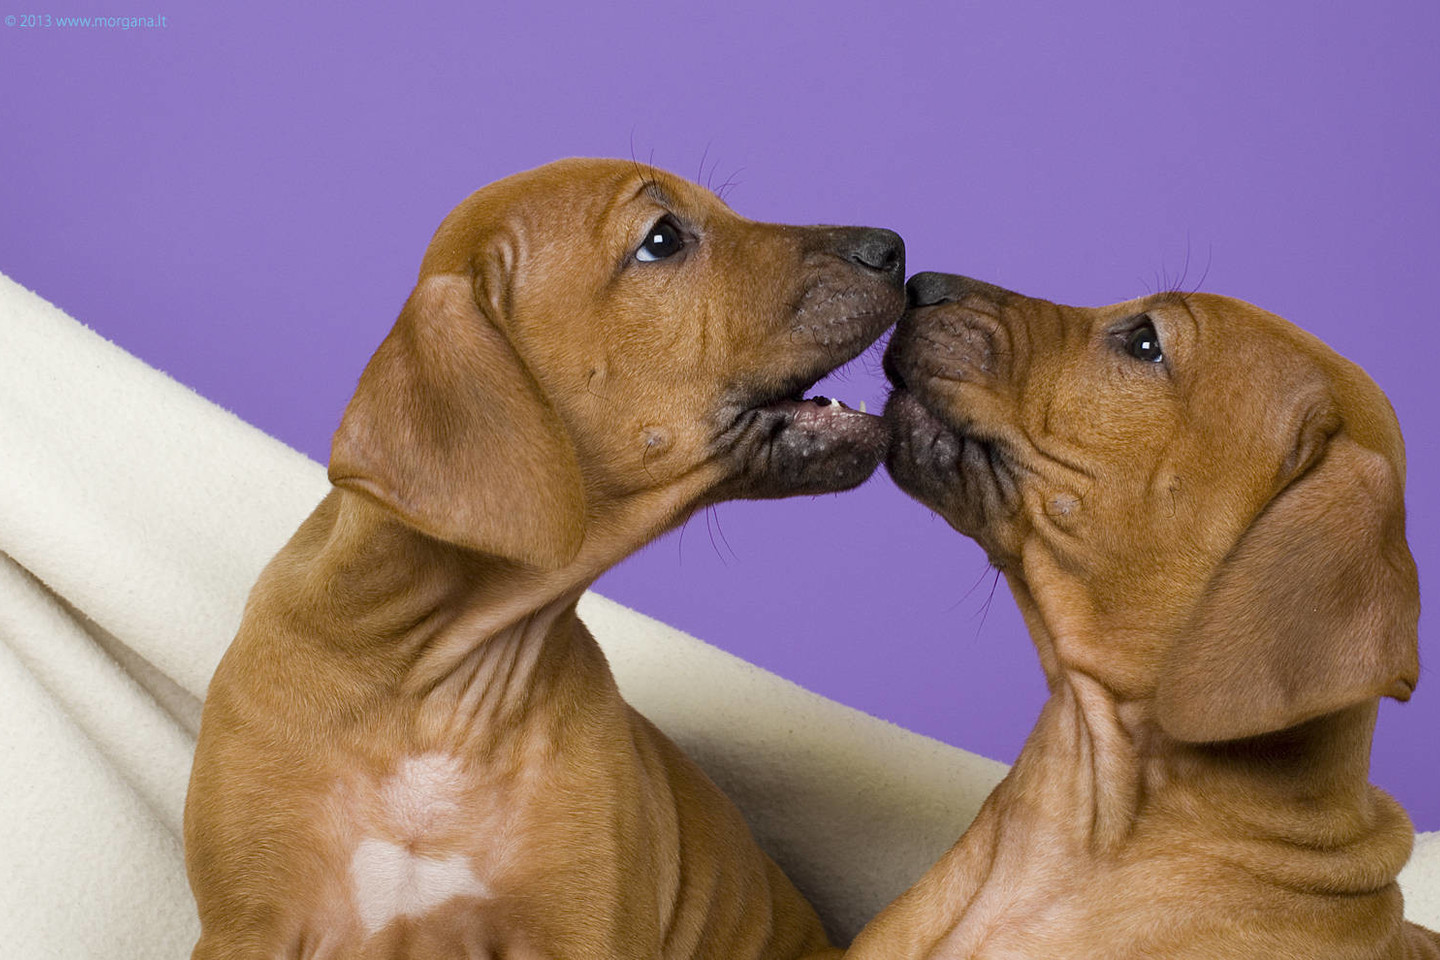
(1316,609)
(449,429)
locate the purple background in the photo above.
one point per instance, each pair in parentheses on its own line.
(242,199)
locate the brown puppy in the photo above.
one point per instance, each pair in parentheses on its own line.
(413,748)
(1199,510)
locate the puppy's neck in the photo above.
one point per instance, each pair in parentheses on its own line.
(1101,799)
(1084,764)
(463,641)
(1293,807)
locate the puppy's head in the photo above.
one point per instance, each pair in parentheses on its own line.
(1203,502)
(593,349)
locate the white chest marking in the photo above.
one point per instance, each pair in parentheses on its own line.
(391,882)
(419,802)
(422,795)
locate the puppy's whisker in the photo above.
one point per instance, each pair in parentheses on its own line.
(680,540)
(724,539)
(973,587)
(985,610)
(590,388)
(842,374)
(710,510)
(633,161)
(700,173)
(646,172)
(1209,258)
(730,183)
(1185,269)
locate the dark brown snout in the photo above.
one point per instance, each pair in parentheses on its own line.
(951,354)
(951,332)
(874,249)
(783,441)
(930,288)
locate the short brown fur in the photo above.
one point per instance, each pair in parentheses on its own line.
(1209,552)
(414,748)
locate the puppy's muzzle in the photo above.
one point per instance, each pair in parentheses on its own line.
(951,331)
(951,340)
(784,442)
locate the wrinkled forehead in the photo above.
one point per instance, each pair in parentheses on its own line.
(589,185)
(1218,334)
(579,197)
(1262,362)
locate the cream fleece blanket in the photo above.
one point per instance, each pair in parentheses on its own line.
(134,516)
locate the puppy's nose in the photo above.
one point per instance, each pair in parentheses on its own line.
(929,288)
(880,250)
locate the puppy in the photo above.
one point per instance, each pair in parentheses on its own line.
(1199,510)
(413,748)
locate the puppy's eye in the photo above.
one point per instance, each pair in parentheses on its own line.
(1143,343)
(662,241)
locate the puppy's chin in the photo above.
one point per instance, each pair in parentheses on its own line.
(799,446)
(962,478)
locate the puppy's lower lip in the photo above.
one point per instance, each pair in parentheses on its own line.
(800,445)
(904,402)
(907,402)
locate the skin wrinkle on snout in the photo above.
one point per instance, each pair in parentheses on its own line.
(1209,555)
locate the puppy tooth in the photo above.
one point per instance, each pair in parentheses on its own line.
(862,406)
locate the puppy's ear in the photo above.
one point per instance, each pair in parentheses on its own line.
(1316,609)
(450,430)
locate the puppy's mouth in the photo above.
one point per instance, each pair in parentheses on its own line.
(795,442)
(780,439)
(940,460)
(798,403)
